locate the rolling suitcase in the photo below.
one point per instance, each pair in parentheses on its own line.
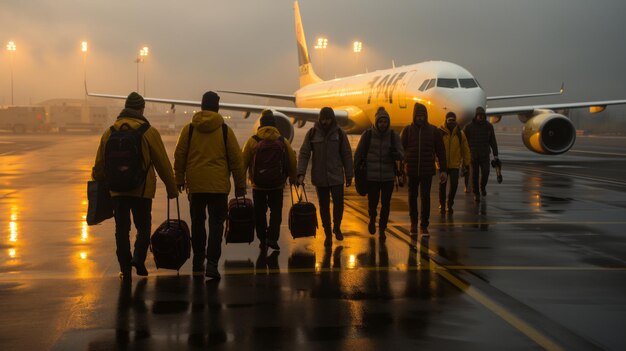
(240,222)
(171,242)
(302,216)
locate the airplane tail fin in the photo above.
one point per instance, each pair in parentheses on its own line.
(307,75)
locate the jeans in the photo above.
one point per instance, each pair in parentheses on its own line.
(323,196)
(484,175)
(141,208)
(420,185)
(374,192)
(262,200)
(453,179)
(217,206)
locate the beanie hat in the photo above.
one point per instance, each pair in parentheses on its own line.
(267,118)
(135,101)
(450,115)
(327,112)
(210,101)
(480,110)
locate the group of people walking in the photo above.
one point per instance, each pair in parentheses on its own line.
(208,153)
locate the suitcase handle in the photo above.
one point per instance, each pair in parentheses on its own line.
(298,195)
(177,210)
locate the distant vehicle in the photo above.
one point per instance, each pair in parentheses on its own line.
(22,119)
(68,117)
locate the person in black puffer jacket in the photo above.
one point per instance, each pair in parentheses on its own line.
(422,142)
(482,142)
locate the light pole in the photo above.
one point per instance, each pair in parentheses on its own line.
(11,47)
(322,43)
(143,53)
(357,46)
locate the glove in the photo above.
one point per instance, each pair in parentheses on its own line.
(443,176)
(348,182)
(300,179)
(181,187)
(239,192)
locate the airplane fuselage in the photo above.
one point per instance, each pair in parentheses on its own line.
(397,90)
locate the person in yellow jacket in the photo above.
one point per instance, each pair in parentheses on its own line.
(138,199)
(206,154)
(457,155)
(276,162)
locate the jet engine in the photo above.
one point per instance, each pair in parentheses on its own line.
(283,124)
(548,133)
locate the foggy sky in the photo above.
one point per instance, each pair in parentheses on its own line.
(511,47)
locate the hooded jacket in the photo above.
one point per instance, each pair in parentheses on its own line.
(421,143)
(380,159)
(457,150)
(154,157)
(332,156)
(249,149)
(205,163)
(480,138)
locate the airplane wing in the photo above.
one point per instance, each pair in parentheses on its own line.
(507,97)
(299,114)
(529,109)
(291,98)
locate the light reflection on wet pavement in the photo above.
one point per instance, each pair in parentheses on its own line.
(511,273)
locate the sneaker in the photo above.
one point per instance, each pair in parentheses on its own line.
(140,268)
(211,272)
(273,245)
(371,227)
(338,234)
(413,231)
(424,231)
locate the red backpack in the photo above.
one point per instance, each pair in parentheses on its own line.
(270,164)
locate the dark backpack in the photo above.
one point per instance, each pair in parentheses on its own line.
(123,159)
(270,164)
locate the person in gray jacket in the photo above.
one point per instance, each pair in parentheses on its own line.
(380,148)
(331,166)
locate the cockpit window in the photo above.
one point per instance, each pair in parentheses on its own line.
(447,83)
(431,84)
(423,86)
(468,83)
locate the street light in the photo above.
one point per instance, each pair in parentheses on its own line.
(357,46)
(143,53)
(11,47)
(322,43)
(83,48)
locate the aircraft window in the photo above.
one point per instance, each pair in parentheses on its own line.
(423,86)
(447,83)
(468,83)
(431,84)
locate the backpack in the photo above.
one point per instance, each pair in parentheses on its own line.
(270,164)
(123,158)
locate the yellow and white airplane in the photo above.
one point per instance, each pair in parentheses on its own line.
(441,86)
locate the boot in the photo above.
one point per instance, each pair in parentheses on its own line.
(328,242)
(413,229)
(371,227)
(338,233)
(381,234)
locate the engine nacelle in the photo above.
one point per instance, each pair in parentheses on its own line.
(283,124)
(549,133)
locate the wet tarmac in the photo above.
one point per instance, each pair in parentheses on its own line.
(540,263)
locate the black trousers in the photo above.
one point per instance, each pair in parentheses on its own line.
(262,200)
(216,205)
(141,209)
(483,165)
(323,196)
(420,185)
(382,191)
(453,180)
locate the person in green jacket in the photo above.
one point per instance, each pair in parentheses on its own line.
(139,199)
(203,163)
(457,156)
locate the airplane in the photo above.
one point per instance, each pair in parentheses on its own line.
(441,86)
